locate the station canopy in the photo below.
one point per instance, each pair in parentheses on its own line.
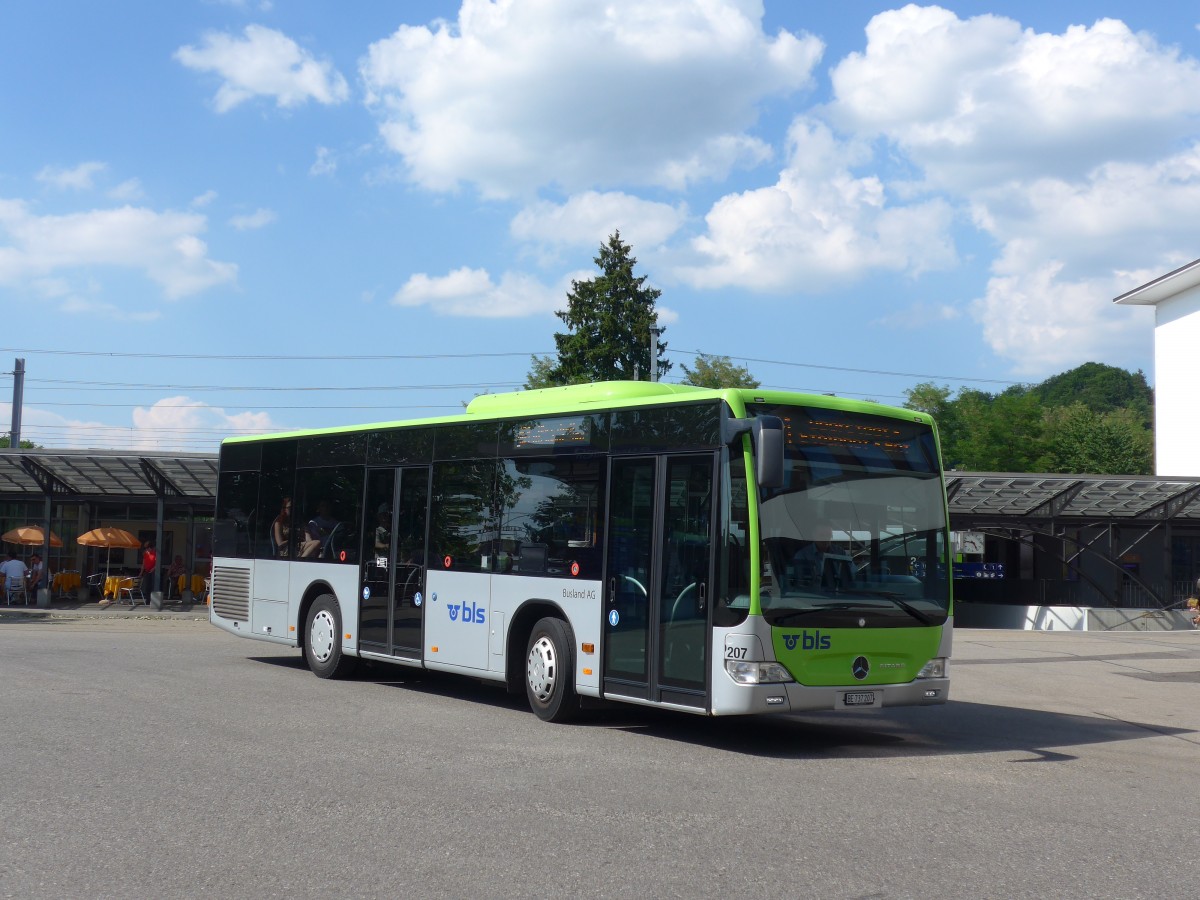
(108,475)
(1085,498)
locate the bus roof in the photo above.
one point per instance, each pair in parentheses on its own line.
(609,395)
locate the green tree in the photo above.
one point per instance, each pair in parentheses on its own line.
(718,372)
(1100,388)
(6,442)
(935,400)
(1003,433)
(1083,441)
(608,321)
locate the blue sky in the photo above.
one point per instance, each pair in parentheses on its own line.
(220,217)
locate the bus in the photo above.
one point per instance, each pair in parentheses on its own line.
(719,552)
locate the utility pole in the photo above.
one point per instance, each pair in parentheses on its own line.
(655,333)
(18,394)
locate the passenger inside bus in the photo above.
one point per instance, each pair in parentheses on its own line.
(318,531)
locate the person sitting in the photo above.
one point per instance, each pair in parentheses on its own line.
(281,528)
(15,573)
(809,561)
(39,573)
(317,530)
(175,571)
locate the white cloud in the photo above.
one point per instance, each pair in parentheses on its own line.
(979,100)
(204,199)
(247,5)
(264,63)
(1069,247)
(76,304)
(178,422)
(1119,215)
(79,178)
(173,423)
(919,316)
(587,219)
(165,246)
(324,164)
(581,94)
(1045,323)
(128,191)
(471,292)
(818,226)
(260,218)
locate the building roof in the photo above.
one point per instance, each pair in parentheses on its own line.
(108,475)
(1163,287)
(1083,498)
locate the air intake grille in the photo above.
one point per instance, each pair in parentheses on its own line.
(231,593)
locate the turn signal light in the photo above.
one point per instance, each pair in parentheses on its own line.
(588,648)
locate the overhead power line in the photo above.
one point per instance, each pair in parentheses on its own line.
(799,365)
(428,356)
(64,384)
(290,357)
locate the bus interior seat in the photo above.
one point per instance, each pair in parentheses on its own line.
(533,558)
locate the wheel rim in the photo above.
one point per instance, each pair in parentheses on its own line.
(541,670)
(322,636)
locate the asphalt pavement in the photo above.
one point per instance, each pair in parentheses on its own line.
(151,755)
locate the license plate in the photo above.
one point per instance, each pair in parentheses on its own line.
(859,698)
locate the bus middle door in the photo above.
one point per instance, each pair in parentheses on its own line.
(659,578)
(391,602)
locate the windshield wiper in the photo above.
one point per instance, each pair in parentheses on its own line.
(785,619)
(899,600)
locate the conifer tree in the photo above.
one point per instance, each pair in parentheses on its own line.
(608,321)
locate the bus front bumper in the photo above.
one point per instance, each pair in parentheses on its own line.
(738,699)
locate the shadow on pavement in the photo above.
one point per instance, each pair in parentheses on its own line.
(956,728)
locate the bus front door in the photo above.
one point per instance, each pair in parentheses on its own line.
(659,579)
(391,601)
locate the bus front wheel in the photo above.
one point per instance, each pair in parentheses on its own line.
(549,672)
(323,639)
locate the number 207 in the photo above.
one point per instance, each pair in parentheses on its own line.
(735,652)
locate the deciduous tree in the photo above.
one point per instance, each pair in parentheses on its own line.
(718,372)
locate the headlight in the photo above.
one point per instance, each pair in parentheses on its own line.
(756,672)
(935,668)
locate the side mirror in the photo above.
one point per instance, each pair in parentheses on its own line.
(766,434)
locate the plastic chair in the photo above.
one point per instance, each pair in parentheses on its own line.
(131,589)
(18,590)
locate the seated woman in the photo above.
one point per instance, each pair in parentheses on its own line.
(317,530)
(281,528)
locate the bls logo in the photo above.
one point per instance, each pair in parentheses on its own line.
(807,641)
(471,614)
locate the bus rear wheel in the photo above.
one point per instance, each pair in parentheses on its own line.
(323,639)
(550,670)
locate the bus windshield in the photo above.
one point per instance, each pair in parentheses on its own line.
(856,536)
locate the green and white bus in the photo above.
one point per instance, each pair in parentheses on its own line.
(719,552)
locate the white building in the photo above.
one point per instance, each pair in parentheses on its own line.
(1176,301)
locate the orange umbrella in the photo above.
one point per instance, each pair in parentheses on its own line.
(30,536)
(110,537)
